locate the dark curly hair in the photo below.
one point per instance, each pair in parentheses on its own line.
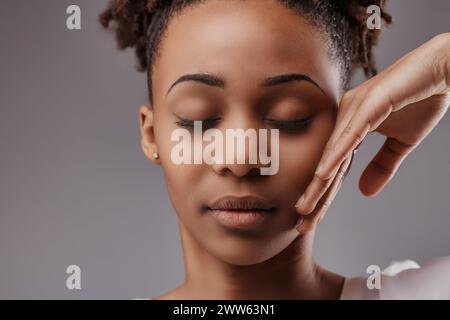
(141,24)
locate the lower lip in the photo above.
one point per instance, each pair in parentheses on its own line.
(240,219)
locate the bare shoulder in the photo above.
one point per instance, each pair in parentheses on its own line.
(405,280)
(439,266)
(430,281)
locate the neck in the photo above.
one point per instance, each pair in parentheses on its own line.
(291,274)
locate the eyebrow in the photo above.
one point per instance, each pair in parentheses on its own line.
(216,81)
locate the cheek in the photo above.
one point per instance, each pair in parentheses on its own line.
(180,178)
(300,153)
(180,182)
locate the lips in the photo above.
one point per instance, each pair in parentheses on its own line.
(247,203)
(241,212)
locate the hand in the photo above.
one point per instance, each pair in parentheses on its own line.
(404,103)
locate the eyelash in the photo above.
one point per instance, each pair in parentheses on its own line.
(206,123)
(287,125)
(291,125)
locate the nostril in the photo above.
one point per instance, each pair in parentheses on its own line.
(239,171)
(254,172)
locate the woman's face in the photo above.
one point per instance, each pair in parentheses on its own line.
(241,44)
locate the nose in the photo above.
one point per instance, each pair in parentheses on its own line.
(238,170)
(243,142)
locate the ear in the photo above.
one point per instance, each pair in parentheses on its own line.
(148,143)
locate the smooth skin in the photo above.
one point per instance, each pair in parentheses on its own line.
(274,261)
(404,103)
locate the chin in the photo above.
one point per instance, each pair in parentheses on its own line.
(241,251)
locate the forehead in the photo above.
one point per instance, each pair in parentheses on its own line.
(243,41)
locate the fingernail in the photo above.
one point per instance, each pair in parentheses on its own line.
(300,201)
(319,168)
(320,219)
(299,224)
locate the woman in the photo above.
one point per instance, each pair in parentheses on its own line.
(282,65)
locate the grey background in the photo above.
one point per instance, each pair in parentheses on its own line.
(75,187)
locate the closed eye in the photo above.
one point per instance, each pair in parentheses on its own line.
(189,124)
(290,125)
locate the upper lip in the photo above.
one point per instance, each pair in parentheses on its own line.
(245,203)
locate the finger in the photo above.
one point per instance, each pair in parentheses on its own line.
(316,190)
(383,166)
(345,114)
(318,185)
(348,108)
(335,188)
(383,96)
(388,92)
(351,137)
(312,194)
(374,101)
(306,222)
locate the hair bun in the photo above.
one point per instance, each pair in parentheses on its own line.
(131,19)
